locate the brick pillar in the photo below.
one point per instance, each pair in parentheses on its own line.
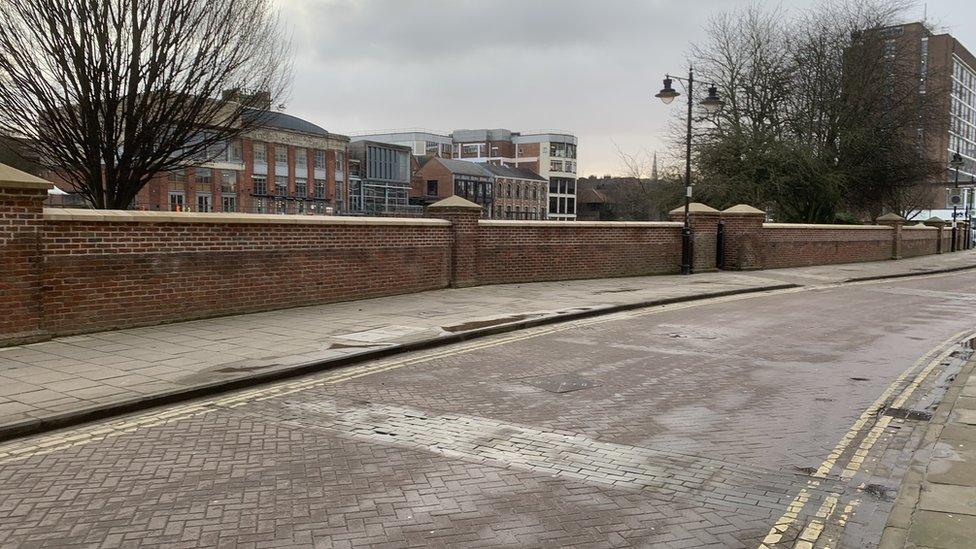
(464,216)
(704,231)
(21,223)
(896,222)
(743,227)
(938,224)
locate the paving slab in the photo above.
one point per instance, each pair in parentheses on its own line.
(76,376)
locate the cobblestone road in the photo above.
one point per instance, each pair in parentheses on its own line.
(772,420)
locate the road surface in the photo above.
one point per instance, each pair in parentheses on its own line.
(774,419)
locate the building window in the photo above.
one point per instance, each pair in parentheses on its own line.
(319,188)
(281,186)
(300,206)
(340,193)
(228,203)
(260,184)
(260,152)
(178,176)
(553,186)
(281,207)
(535,192)
(508,190)
(553,204)
(177,202)
(228,181)
(204,202)
(204,178)
(281,154)
(319,159)
(556,165)
(431,187)
(260,206)
(301,187)
(518,191)
(301,159)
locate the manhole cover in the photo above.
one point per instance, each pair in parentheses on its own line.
(561,383)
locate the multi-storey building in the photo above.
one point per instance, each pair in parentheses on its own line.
(944,72)
(551,155)
(519,193)
(384,179)
(287,165)
(421,142)
(440,178)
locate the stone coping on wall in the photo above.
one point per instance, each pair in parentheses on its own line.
(125,216)
(920,227)
(572,224)
(817,226)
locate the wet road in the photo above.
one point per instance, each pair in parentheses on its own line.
(734,422)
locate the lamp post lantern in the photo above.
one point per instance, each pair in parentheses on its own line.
(712,104)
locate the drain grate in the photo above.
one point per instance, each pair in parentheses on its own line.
(907,413)
(561,383)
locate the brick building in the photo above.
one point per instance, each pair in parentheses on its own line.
(439,178)
(286,166)
(551,155)
(944,72)
(519,193)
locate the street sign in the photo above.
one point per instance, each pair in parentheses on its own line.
(954,197)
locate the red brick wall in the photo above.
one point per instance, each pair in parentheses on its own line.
(70,271)
(919,241)
(20,262)
(800,245)
(522,251)
(100,275)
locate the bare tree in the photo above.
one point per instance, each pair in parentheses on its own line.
(641,193)
(113,92)
(818,120)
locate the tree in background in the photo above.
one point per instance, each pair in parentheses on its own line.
(109,93)
(817,124)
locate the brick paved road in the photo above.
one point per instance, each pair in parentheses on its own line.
(732,423)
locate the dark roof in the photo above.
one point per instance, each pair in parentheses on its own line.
(280,120)
(591,196)
(464,168)
(513,173)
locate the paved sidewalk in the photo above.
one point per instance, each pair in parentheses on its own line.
(936,506)
(47,384)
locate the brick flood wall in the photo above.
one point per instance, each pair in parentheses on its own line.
(71,271)
(523,251)
(797,245)
(916,241)
(138,268)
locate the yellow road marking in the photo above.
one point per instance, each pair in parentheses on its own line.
(810,534)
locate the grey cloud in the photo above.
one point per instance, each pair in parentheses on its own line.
(586,66)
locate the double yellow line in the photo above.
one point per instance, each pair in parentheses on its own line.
(811,533)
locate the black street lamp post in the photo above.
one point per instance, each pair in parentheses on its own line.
(955,163)
(712,104)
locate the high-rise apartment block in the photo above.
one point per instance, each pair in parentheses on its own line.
(945,72)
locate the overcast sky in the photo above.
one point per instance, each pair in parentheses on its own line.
(589,67)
